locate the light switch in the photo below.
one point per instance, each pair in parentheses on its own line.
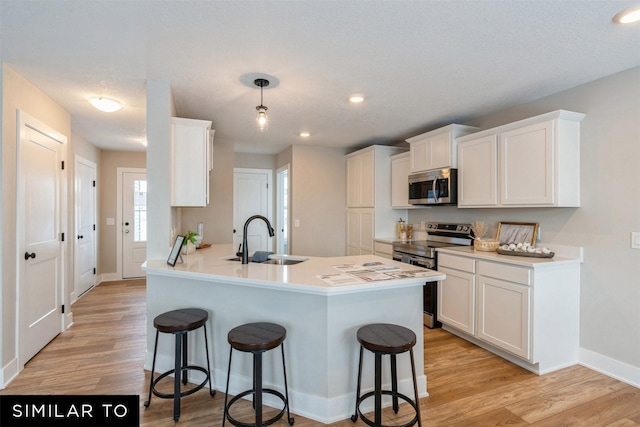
(635,240)
(296,223)
(111,221)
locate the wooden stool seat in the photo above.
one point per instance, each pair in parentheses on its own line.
(386,339)
(179,323)
(257,338)
(186,319)
(260,336)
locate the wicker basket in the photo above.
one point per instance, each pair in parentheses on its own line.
(486,245)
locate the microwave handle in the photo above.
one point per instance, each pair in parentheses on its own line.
(433,189)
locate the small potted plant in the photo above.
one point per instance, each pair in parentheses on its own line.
(480,229)
(191,241)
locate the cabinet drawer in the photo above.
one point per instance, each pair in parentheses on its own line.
(382,248)
(457,262)
(509,273)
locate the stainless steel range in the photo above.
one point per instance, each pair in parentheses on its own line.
(423,254)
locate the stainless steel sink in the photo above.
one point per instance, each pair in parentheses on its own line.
(283,261)
(273,259)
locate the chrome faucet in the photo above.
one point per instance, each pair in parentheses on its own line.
(245,250)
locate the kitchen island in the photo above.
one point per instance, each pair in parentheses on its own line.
(319,304)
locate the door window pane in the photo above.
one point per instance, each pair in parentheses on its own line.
(140,211)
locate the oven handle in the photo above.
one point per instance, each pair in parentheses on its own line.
(420,262)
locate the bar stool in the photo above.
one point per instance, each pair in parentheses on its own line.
(386,339)
(256,338)
(179,323)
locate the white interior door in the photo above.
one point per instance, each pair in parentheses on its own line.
(85,225)
(39,235)
(134,223)
(252,196)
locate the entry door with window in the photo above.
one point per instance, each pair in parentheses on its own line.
(134,224)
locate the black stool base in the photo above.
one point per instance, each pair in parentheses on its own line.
(407,399)
(184,393)
(266,422)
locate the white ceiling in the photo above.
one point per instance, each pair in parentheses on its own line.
(420,64)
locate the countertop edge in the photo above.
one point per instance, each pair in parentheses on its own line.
(531,262)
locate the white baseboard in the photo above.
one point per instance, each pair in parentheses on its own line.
(610,367)
(8,373)
(107,277)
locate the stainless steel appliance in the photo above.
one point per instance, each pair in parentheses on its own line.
(423,253)
(437,187)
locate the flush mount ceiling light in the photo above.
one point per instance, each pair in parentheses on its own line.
(305,134)
(628,16)
(105,104)
(356,99)
(262,120)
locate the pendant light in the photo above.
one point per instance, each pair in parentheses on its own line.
(262,121)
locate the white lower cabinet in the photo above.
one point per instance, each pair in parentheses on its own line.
(503,315)
(360,225)
(383,249)
(457,299)
(528,314)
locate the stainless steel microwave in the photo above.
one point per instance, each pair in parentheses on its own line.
(436,187)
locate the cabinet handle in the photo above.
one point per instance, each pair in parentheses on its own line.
(28,255)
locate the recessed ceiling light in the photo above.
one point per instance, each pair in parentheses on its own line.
(356,98)
(305,134)
(628,16)
(105,104)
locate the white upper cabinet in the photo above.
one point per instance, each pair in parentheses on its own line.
(368,188)
(191,161)
(360,180)
(400,168)
(436,149)
(533,162)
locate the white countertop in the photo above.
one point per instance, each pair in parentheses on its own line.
(563,255)
(209,265)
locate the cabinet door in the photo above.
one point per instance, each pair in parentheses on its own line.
(419,153)
(526,165)
(190,152)
(503,315)
(439,151)
(456,300)
(360,180)
(360,231)
(399,182)
(383,249)
(478,172)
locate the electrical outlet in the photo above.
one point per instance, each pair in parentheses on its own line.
(538,236)
(635,240)
(296,223)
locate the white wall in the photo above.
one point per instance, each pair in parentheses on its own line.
(610,210)
(18,93)
(317,201)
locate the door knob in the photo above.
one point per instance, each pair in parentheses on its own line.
(126,223)
(126,231)
(28,255)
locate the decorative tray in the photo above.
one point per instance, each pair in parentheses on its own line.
(526,254)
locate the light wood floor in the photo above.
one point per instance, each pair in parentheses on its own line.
(103,353)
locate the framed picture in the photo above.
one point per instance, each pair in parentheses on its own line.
(517,232)
(175,250)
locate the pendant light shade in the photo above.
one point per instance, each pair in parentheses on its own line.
(262,120)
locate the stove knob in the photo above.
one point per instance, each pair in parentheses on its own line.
(465,228)
(459,228)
